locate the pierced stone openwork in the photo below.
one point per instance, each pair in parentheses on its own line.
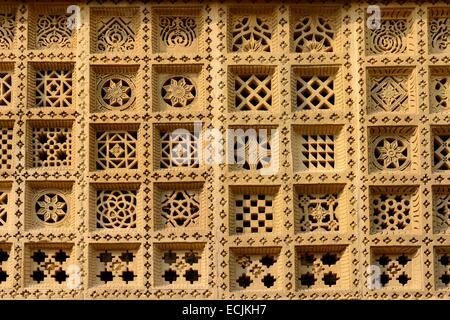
(255,269)
(394,34)
(252,32)
(394,209)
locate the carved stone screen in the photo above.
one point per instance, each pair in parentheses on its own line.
(203,150)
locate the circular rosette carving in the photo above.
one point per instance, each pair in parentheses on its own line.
(178,92)
(51,207)
(391,153)
(116,92)
(116,209)
(390,37)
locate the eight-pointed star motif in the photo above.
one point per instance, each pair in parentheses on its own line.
(51,208)
(117,92)
(392,155)
(178,92)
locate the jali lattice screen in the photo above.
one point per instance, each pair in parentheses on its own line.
(108,118)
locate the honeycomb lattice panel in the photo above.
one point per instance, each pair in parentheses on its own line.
(127,142)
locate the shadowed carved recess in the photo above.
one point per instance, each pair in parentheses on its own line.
(439,30)
(6,263)
(391,90)
(49,205)
(47,264)
(318,148)
(51,85)
(252,88)
(315,29)
(114,206)
(7,30)
(395,208)
(52,32)
(115,88)
(442,267)
(116,209)
(48,28)
(116,146)
(322,267)
(177,87)
(252,148)
(316,88)
(395,34)
(3,207)
(399,267)
(393,149)
(114,29)
(441,148)
(176,29)
(251,29)
(439,89)
(255,268)
(179,206)
(115,265)
(51,144)
(6,84)
(320,208)
(254,209)
(5,204)
(178,146)
(441,209)
(180,265)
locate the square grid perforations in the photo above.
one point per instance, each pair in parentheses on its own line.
(318,148)
(6,145)
(254,209)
